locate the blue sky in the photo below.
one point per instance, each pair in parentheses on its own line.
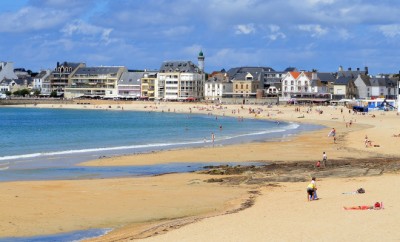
(141,34)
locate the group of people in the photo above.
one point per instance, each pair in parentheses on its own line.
(324,160)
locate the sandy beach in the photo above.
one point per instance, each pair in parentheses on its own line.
(256,206)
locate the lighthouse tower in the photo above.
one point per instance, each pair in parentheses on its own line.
(398,94)
(200,60)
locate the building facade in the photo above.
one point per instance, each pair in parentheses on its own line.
(246,84)
(217,86)
(344,88)
(148,83)
(95,82)
(39,79)
(60,78)
(129,85)
(178,81)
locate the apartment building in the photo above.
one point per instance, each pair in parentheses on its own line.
(179,81)
(148,82)
(95,82)
(60,78)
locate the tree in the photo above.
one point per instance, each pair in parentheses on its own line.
(22,92)
(53,93)
(36,93)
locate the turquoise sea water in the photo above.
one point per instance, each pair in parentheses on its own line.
(45,144)
(57,139)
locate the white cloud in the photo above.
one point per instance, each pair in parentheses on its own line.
(315,29)
(245,29)
(82,28)
(275,32)
(31,19)
(391,31)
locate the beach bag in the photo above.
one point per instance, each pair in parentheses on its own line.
(361,190)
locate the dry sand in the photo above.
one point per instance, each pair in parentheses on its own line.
(279,214)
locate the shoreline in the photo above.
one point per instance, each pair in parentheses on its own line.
(305,147)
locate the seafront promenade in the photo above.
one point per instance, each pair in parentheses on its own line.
(188,207)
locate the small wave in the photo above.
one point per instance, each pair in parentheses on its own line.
(279,128)
(66,152)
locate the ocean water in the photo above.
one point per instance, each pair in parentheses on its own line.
(45,144)
(36,138)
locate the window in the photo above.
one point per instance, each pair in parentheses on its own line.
(291,83)
(285,82)
(241,86)
(247,86)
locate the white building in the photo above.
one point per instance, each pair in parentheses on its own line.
(303,85)
(98,82)
(38,80)
(179,80)
(129,86)
(217,86)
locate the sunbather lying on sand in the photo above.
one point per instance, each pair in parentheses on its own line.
(376,206)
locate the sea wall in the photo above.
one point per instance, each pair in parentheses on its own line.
(22,101)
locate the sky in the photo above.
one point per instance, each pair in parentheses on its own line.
(141,34)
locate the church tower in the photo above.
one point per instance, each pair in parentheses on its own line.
(200,60)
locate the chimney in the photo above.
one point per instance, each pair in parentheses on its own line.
(349,69)
(314,75)
(366,70)
(358,69)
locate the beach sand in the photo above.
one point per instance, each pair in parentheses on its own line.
(161,205)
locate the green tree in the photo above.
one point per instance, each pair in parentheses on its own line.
(36,93)
(22,92)
(53,93)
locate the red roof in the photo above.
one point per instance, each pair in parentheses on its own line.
(295,74)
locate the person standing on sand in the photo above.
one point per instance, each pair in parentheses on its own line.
(212,138)
(324,158)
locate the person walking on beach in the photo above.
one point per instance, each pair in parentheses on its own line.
(212,138)
(324,158)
